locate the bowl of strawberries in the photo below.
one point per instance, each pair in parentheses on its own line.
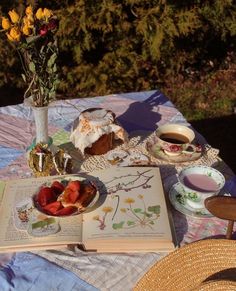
(66,197)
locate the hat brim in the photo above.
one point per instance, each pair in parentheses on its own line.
(192,265)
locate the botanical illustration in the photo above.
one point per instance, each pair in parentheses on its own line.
(26,217)
(22,212)
(133,215)
(143,217)
(102,219)
(42,225)
(129,182)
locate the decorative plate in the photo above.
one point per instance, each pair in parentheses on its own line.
(131,158)
(179,203)
(135,159)
(62,198)
(116,157)
(155,150)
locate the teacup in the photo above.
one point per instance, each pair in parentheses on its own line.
(175,139)
(200,182)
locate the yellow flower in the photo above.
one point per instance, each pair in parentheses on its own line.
(6,23)
(129,200)
(140,196)
(14,34)
(39,14)
(28,21)
(9,37)
(26,30)
(29,10)
(14,16)
(123,210)
(47,13)
(107,209)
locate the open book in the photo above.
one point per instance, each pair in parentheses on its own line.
(130,215)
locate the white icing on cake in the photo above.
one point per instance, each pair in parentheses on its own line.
(92,125)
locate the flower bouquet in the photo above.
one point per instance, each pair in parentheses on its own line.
(33,35)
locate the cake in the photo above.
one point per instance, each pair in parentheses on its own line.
(97,132)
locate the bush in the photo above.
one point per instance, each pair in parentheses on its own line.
(210,96)
(117,46)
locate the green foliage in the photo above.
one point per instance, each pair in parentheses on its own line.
(204,97)
(112,46)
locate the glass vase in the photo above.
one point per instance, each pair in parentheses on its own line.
(41,124)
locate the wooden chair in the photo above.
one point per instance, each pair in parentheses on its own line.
(223,207)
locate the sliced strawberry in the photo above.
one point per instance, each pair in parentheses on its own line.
(66,195)
(58,187)
(66,211)
(45,196)
(73,196)
(53,207)
(74,185)
(70,196)
(87,193)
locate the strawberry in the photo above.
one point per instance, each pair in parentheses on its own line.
(53,207)
(45,196)
(66,211)
(70,196)
(73,196)
(87,193)
(66,194)
(74,185)
(57,187)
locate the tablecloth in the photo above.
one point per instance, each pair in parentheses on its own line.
(140,114)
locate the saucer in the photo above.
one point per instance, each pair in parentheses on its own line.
(155,150)
(179,203)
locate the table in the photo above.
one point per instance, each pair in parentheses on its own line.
(140,114)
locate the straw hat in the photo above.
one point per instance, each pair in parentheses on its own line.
(203,265)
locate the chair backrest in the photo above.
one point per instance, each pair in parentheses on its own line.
(223,207)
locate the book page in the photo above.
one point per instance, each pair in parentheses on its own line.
(22,225)
(132,206)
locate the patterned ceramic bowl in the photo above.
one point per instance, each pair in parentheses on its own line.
(200,182)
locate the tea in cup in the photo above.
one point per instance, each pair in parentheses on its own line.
(199,183)
(175,139)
